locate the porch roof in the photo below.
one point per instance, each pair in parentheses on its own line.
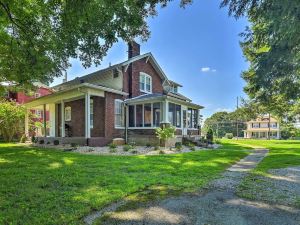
(161,97)
(73,93)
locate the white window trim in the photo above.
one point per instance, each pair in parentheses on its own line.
(145,89)
(67,119)
(37,95)
(116,126)
(39,115)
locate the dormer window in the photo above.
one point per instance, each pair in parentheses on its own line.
(145,83)
(174,89)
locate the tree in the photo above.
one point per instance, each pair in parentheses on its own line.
(271,44)
(37,38)
(11,119)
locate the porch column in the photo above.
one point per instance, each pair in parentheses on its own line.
(26,123)
(52,119)
(62,109)
(165,112)
(45,120)
(87,115)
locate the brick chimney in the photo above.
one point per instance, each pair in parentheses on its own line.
(133,49)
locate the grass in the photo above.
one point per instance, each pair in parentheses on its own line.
(282,154)
(43,186)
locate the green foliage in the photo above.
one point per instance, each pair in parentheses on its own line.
(36,44)
(228,135)
(162,152)
(126,148)
(113,150)
(287,131)
(273,78)
(112,146)
(56,142)
(11,119)
(41,142)
(178,146)
(23,138)
(33,139)
(165,133)
(156,147)
(96,181)
(134,151)
(210,136)
(148,145)
(74,145)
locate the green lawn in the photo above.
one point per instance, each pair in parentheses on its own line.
(39,186)
(282,154)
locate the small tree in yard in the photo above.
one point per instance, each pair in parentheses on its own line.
(164,134)
(11,119)
(210,136)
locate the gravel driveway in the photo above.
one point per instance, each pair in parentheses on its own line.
(218,205)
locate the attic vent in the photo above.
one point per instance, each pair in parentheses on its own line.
(115,73)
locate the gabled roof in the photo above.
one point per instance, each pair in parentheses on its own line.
(125,64)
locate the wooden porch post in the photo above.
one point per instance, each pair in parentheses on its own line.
(26,123)
(52,119)
(44,120)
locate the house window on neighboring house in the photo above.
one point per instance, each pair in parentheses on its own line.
(91,113)
(145,83)
(68,112)
(38,113)
(37,95)
(119,113)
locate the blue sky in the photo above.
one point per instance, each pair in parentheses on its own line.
(197,47)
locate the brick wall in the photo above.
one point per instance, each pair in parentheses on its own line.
(99,117)
(137,67)
(77,123)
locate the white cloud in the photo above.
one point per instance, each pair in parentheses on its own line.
(208,69)
(224,110)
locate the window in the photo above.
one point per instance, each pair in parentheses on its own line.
(68,113)
(119,118)
(92,113)
(145,83)
(192,118)
(147,115)
(156,114)
(38,113)
(255,125)
(174,114)
(139,115)
(37,95)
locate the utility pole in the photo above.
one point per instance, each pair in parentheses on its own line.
(237,124)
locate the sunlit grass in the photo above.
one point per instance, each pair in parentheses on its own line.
(40,186)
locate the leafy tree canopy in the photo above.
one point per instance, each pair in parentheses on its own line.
(37,38)
(272,46)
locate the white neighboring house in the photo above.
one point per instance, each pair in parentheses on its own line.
(297,122)
(259,128)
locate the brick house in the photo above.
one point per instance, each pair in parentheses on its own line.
(126,100)
(21,97)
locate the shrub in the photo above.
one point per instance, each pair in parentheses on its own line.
(178,146)
(126,148)
(48,142)
(132,143)
(74,145)
(134,151)
(217,141)
(56,142)
(192,148)
(33,139)
(156,147)
(148,145)
(165,133)
(23,138)
(112,146)
(229,135)
(161,152)
(210,136)
(113,150)
(41,142)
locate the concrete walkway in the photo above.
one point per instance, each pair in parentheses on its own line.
(219,205)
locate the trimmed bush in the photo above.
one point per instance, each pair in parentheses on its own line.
(148,145)
(161,152)
(112,146)
(56,142)
(156,147)
(23,138)
(126,148)
(41,142)
(229,135)
(134,151)
(178,146)
(113,150)
(210,136)
(74,145)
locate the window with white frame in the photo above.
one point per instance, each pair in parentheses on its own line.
(145,83)
(119,113)
(91,113)
(37,95)
(68,113)
(145,115)
(38,113)
(175,114)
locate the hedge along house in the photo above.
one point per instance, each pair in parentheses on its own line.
(128,100)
